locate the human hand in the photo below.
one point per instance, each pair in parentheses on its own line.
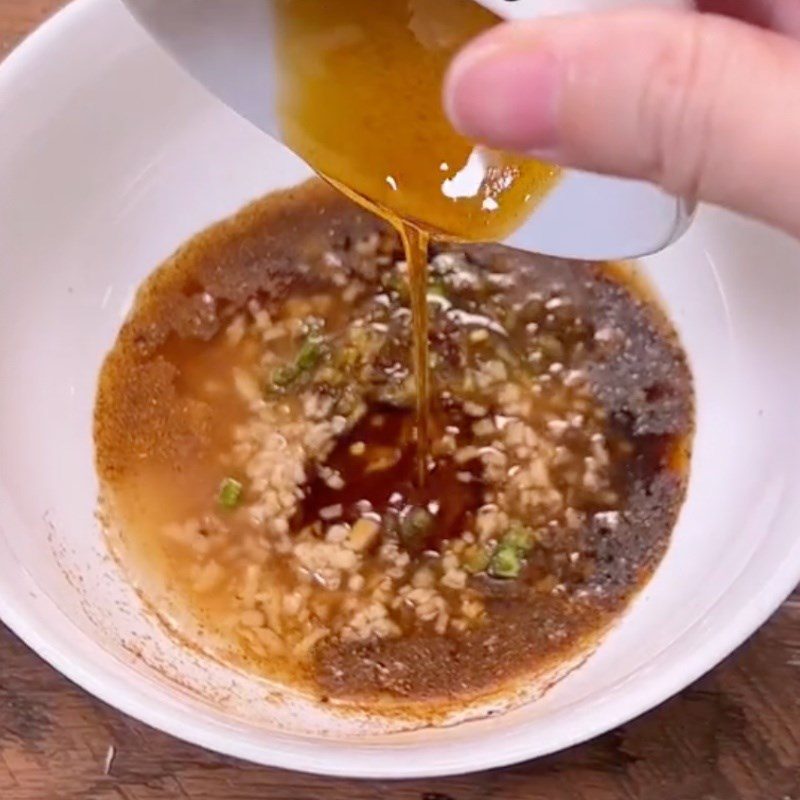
(706,106)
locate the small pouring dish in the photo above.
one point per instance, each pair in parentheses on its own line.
(229,48)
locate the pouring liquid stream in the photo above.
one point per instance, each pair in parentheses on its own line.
(360,101)
(415,244)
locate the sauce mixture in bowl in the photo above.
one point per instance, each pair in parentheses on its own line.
(256,444)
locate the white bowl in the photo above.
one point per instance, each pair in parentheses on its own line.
(109,159)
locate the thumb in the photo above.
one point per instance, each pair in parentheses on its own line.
(705,106)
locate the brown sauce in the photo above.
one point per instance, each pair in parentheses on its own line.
(388,433)
(256,447)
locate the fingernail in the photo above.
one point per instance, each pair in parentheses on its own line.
(505,97)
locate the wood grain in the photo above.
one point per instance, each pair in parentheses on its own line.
(735,735)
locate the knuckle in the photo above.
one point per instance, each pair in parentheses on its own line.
(677,107)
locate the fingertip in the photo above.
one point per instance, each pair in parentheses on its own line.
(503,92)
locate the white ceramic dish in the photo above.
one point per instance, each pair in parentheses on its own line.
(110,158)
(228,47)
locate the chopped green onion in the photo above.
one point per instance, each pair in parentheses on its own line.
(230,493)
(415,525)
(509,555)
(310,354)
(476,559)
(520,537)
(285,376)
(506,562)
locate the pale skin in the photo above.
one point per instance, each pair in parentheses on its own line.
(705,103)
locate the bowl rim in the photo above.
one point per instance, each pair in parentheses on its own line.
(325,756)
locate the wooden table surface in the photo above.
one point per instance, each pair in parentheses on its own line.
(734,735)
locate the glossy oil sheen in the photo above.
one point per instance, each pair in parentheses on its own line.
(360,87)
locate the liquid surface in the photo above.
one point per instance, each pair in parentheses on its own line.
(360,100)
(256,448)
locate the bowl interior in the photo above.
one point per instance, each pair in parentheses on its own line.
(112,159)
